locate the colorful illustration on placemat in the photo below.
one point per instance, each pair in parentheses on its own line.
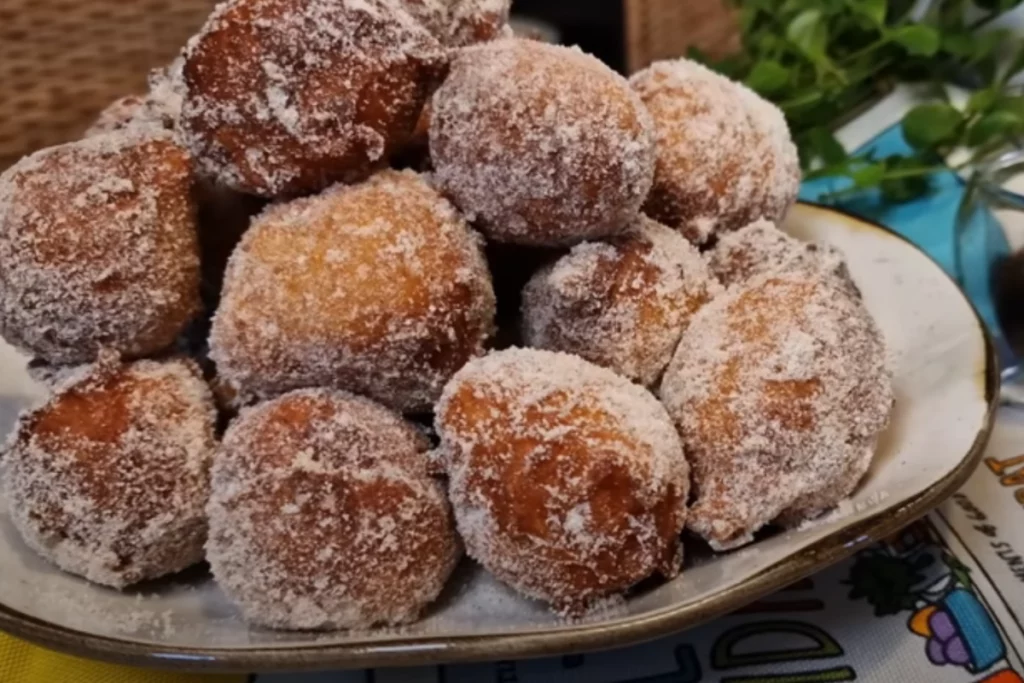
(915,573)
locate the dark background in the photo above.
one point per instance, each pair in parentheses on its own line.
(597,26)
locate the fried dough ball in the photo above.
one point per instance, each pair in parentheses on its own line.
(779,389)
(541,145)
(761,248)
(724,155)
(323,516)
(108,480)
(622,303)
(98,247)
(285,97)
(458,23)
(379,288)
(568,481)
(455,23)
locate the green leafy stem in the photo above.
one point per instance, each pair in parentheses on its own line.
(822,60)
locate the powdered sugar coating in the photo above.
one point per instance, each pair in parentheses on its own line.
(98,247)
(108,479)
(781,158)
(123,112)
(724,154)
(458,23)
(323,517)
(434,15)
(167,88)
(285,97)
(540,144)
(779,389)
(568,481)
(160,108)
(462,23)
(623,303)
(477,21)
(761,248)
(379,288)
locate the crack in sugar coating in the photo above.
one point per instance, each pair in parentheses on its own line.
(379,288)
(724,155)
(109,478)
(98,247)
(761,248)
(323,516)
(622,303)
(568,481)
(541,145)
(285,97)
(779,389)
(458,23)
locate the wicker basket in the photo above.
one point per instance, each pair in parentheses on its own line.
(659,29)
(61,61)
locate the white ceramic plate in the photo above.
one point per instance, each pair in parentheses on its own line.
(946,384)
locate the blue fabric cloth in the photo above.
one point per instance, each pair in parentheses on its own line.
(930,223)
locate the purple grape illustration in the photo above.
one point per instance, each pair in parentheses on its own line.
(945,645)
(941,625)
(956,652)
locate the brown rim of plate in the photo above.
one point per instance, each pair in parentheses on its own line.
(442,650)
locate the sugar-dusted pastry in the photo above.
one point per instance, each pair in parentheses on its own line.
(539,144)
(568,481)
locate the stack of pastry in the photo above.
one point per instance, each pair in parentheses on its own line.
(254,288)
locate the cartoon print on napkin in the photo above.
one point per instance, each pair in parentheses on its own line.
(917,574)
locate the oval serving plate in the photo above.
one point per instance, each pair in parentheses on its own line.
(947,386)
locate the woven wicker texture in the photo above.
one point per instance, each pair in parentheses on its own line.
(62,61)
(661,29)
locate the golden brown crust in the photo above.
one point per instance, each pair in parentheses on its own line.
(285,97)
(98,247)
(622,303)
(109,478)
(568,482)
(360,535)
(779,389)
(724,155)
(541,145)
(379,288)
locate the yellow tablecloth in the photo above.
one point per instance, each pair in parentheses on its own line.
(21,662)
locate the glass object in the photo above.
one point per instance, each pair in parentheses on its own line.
(989,254)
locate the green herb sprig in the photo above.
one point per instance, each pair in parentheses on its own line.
(821,61)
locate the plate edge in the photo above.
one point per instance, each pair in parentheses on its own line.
(439,650)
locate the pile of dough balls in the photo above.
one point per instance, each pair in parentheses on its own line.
(360,287)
